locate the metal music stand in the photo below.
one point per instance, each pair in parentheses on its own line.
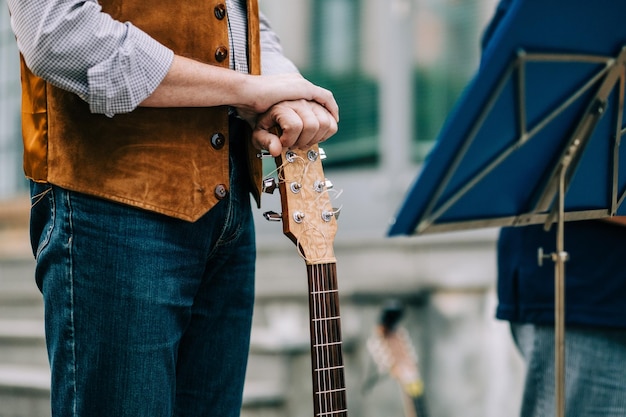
(536,136)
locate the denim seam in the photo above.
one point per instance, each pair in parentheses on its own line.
(71,300)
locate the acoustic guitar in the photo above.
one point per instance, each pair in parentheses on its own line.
(309,221)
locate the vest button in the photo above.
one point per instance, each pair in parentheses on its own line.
(218,141)
(221,54)
(220,11)
(220,191)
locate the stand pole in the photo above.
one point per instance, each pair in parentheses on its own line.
(559,303)
(560,257)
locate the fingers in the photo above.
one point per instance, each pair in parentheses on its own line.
(316,124)
(302,124)
(326,121)
(326,99)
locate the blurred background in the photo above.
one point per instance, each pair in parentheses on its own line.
(396,69)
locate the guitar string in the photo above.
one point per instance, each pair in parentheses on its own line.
(324,340)
(337,372)
(326,324)
(318,343)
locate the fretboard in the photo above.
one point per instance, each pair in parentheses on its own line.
(329,388)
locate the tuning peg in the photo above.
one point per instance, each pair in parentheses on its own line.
(319,186)
(328,215)
(313,156)
(272,216)
(269,185)
(298,217)
(295,187)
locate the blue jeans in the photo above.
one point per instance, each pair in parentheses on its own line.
(146,316)
(595,371)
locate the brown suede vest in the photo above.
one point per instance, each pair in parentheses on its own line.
(172,161)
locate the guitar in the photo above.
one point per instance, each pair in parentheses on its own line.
(310,222)
(393,353)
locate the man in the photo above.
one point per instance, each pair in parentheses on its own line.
(595,341)
(141,166)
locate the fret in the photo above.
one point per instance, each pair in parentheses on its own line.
(325,292)
(332,368)
(333,354)
(326,318)
(331,371)
(334,413)
(327,344)
(332,391)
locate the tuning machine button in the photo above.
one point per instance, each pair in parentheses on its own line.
(264,155)
(272,216)
(269,185)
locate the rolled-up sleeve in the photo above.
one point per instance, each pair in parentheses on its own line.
(111,65)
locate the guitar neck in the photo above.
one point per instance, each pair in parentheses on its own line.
(329,389)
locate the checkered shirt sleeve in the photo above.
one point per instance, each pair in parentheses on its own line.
(113,66)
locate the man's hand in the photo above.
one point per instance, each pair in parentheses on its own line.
(261,92)
(301,124)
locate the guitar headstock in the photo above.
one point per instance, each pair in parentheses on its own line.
(391,349)
(308,217)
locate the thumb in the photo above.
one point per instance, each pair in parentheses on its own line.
(268,140)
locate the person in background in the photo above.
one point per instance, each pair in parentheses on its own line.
(141,125)
(595,337)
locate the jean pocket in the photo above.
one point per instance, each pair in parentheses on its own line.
(41,216)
